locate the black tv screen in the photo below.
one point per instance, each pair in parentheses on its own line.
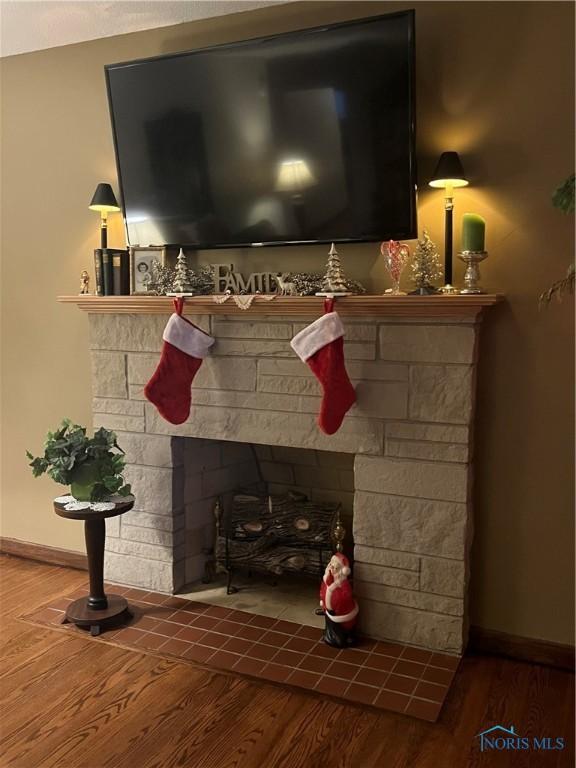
(306,137)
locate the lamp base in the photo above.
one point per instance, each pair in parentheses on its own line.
(448,290)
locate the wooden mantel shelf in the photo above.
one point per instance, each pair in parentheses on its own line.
(356,306)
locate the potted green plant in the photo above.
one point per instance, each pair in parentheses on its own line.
(91,466)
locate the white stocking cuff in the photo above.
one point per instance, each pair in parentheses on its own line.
(187,337)
(318,334)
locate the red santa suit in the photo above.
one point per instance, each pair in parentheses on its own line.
(336,598)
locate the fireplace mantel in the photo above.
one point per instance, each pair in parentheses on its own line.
(352,306)
(409,441)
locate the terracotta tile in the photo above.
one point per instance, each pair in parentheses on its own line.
(431,691)
(156,611)
(213,640)
(325,651)
(240,616)
(401,684)
(416,654)
(276,672)
(226,627)
(264,622)
(141,609)
(131,593)
(303,679)
(182,617)
(237,645)
(175,602)
(366,644)
(364,694)
(372,677)
(352,656)
(409,668)
(444,661)
(249,633)
(259,651)
(425,710)
(314,664)
(147,597)
(249,666)
(146,622)
(151,641)
(223,659)
(300,644)
(389,649)
(167,628)
(381,663)
(289,658)
(340,669)
(331,686)
(117,589)
(175,647)
(199,653)
(193,607)
(396,702)
(191,634)
(288,627)
(128,635)
(311,633)
(204,622)
(436,675)
(277,639)
(217,612)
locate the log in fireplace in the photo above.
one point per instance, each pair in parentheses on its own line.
(275,534)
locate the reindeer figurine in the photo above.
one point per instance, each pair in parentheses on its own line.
(286,288)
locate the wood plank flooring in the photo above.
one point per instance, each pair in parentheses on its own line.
(67,702)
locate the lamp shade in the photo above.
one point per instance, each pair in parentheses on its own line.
(104,199)
(449,172)
(294,176)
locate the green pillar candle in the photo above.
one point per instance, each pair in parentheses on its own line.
(473,229)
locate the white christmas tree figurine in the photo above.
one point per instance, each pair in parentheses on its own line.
(181,285)
(334,282)
(426,266)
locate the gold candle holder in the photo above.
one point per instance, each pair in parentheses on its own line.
(472,260)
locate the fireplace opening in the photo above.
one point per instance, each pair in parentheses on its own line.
(261,523)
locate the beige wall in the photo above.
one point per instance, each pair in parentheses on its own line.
(495,83)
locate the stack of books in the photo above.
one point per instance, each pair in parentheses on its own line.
(112,272)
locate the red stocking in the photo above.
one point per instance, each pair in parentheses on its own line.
(183,350)
(321,345)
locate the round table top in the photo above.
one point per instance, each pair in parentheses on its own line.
(88,513)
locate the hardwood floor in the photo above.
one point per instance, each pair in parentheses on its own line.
(67,701)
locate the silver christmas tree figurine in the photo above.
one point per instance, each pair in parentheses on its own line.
(426,266)
(181,285)
(334,282)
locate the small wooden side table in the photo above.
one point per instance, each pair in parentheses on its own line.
(98,610)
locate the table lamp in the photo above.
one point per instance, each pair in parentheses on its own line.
(448,175)
(105,202)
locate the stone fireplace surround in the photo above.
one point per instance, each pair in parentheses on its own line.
(409,437)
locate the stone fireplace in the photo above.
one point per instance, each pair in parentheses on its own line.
(401,461)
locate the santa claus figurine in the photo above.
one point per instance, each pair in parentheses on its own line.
(338,604)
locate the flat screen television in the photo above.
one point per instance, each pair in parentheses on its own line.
(305,137)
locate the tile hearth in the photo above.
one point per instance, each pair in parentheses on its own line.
(389,676)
